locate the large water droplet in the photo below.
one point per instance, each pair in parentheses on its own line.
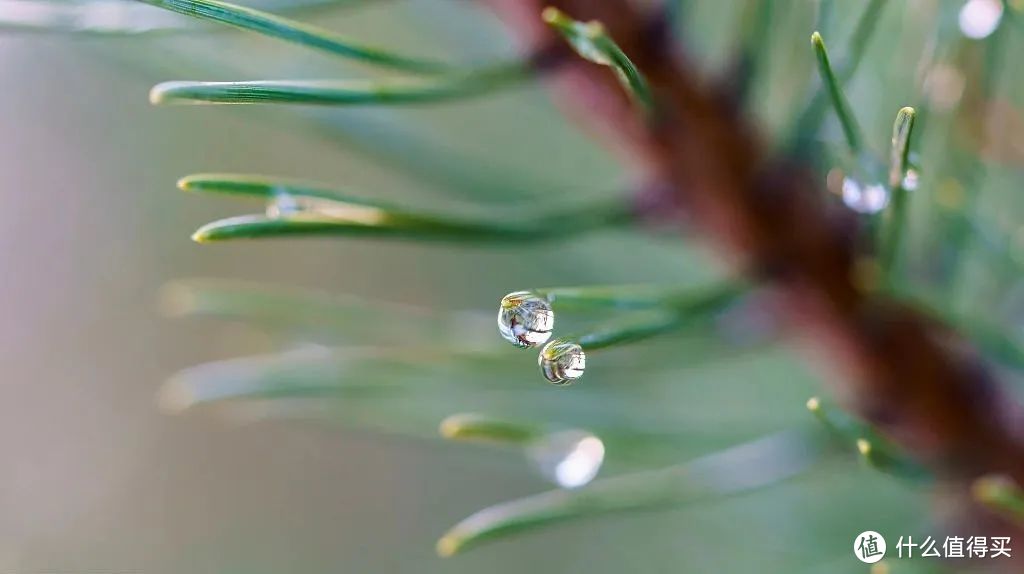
(979,18)
(569,458)
(525,319)
(562,362)
(869,198)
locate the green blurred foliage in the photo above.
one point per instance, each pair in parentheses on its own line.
(657,404)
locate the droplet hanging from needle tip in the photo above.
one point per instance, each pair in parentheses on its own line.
(562,362)
(525,319)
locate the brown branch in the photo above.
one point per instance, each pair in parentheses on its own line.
(913,378)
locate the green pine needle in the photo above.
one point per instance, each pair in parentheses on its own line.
(899,154)
(294,32)
(746,467)
(682,309)
(358,221)
(874,450)
(689,300)
(808,124)
(363,223)
(591,41)
(335,92)
(835,91)
(308,209)
(266,187)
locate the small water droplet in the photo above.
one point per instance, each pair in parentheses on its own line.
(283,205)
(569,458)
(979,18)
(286,205)
(525,319)
(910,180)
(870,198)
(562,362)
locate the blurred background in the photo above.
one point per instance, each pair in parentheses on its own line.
(98,479)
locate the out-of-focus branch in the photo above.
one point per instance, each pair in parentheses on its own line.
(912,377)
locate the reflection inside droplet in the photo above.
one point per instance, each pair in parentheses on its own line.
(525,319)
(570,458)
(562,362)
(979,18)
(870,198)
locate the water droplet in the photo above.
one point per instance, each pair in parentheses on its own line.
(288,206)
(283,205)
(870,198)
(569,458)
(525,319)
(979,18)
(910,179)
(562,362)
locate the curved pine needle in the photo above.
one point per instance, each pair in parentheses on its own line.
(295,32)
(591,41)
(749,466)
(333,92)
(899,155)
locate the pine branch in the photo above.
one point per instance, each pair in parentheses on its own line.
(904,373)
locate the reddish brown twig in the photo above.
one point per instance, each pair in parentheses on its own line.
(913,378)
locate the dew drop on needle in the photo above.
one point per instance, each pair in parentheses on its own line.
(562,362)
(864,198)
(525,319)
